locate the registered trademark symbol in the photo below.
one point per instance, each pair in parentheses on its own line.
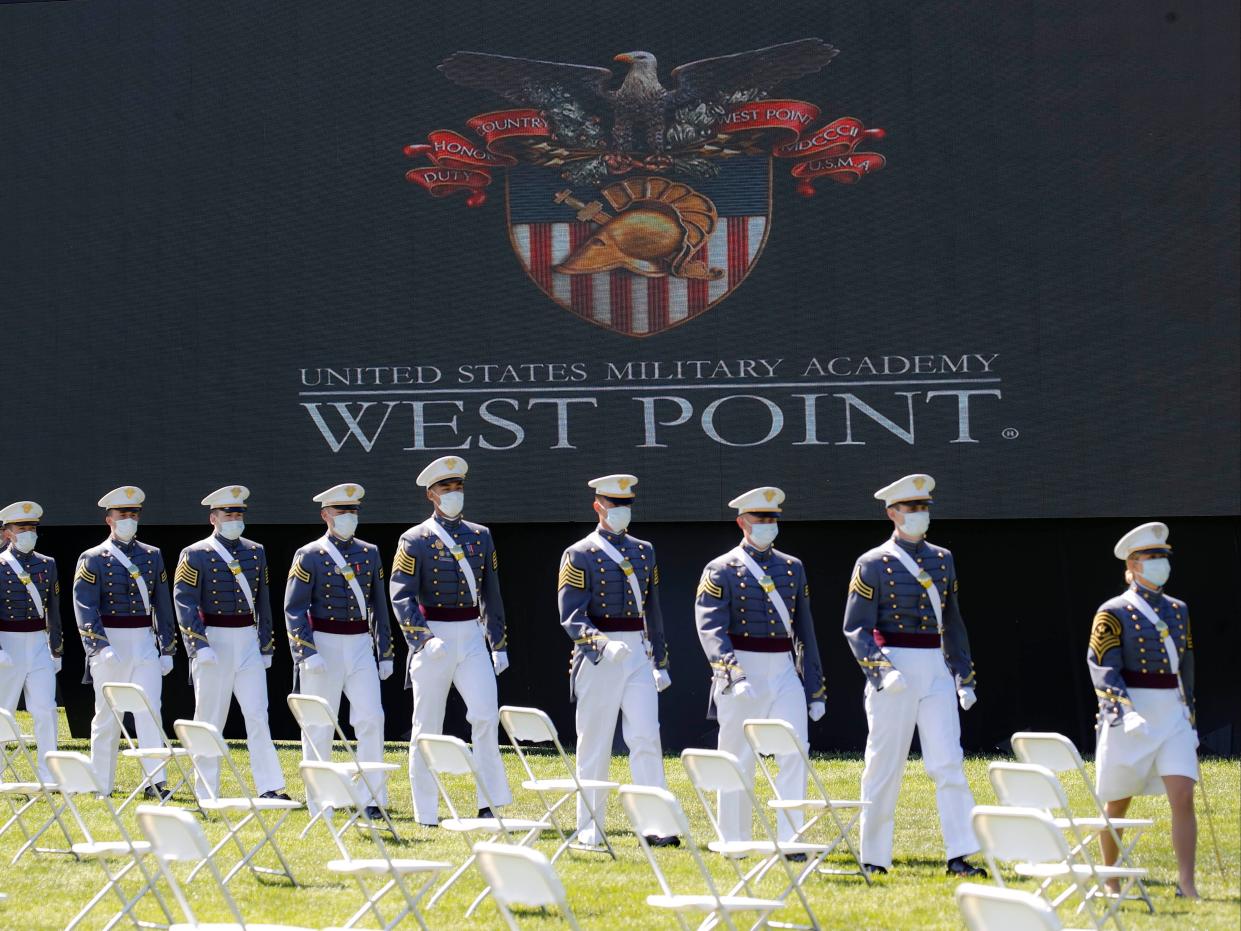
(1010,433)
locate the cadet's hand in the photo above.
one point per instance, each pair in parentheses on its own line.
(165,664)
(742,688)
(1132,721)
(662,679)
(893,683)
(816,710)
(58,662)
(267,661)
(206,657)
(499,660)
(6,661)
(314,664)
(615,650)
(432,649)
(967,698)
(104,656)
(385,668)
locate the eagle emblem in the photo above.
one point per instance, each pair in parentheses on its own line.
(633,203)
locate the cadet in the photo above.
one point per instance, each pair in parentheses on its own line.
(337,618)
(904,625)
(220,592)
(753,615)
(608,592)
(31,644)
(444,584)
(1141,660)
(125,618)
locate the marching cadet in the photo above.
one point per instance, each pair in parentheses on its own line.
(446,597)
(903,623)
(125,618)
(220,592)
(608,593)
(753,615)
(1141,660)
(31,644)
(337,617)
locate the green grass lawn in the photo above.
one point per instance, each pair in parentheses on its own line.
(45,890)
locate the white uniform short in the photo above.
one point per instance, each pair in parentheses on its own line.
(33,672)
(1134,764)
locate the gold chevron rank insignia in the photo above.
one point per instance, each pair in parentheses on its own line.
(1104,635)
(404,562)
(860,588)
(186,573)
(495,561)
(707,587)
(570,575)
(297,572)
(85,574)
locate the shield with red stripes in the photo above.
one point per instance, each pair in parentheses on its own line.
(550,221)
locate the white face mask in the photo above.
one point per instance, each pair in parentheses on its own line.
(344,525)
(231,529)
(25,541)
(763,535)
(125,529)
(617,519)
(1155,571)
(916,523)
(451,503)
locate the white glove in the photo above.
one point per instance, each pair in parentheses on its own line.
(266,660)
(58,662)
(5,660)
(742,688)
(104,656)
(893,683)
(206,657)
(432,649)
(816,710)
(165,664)
(1132,721)
(314,664)
(615,650)
(662,679)
(385,668)
(967,698)
(499,660)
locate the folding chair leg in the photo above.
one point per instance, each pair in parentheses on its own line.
(55,818)
(439,893)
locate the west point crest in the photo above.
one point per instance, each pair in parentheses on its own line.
(636,205)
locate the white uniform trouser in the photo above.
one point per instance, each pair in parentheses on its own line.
(602,690)
(137,661)
(929,702)
(777,693)
(350,668)
(238,671)
(32,670)
(464,662)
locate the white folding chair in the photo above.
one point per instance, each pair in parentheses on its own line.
(23,782)
(446,755)
(74,776)
(656,812)
(203,741)
(128,698)
(175,837)
(986,908)
(769,737)
(531,725)
(718,771)
(333,790)
(1030,838)
(521,876)
(311,711)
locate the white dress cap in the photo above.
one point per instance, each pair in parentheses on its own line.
(1152,536)
(127,496)
(917,487)
(231,496)
(340,495)
(764,500)
(442,469)
(21,512)
(614,486)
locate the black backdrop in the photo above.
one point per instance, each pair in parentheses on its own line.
(1028,592)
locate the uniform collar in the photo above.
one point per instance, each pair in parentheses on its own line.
(24,558)
(338,542)
(906,545)
(609,535)
(228,544)
(757,554)
(1150,595)
(126,548)
(445,522)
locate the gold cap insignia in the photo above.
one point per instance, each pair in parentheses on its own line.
(624,484)
(769,494)
(27,507)
(919,483)
(236,492)
(349,490)
(451,463)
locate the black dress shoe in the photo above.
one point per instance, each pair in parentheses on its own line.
(485,813)
(429,827)
(275,793)
(871,870)
(795,857)
(959,866)
(656,840)
(374,812)
(158,791)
